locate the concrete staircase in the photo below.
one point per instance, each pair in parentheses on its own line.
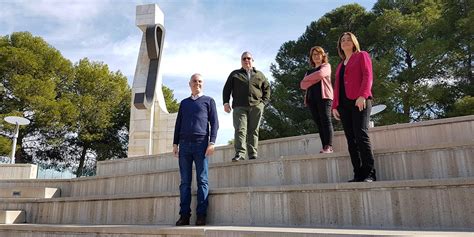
(426,188)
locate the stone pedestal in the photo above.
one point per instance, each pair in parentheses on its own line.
(18,171)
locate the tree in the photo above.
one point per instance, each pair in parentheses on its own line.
(33,74)
(286,115)
(422,61)
(455,28)
(101,99)
(416,61)
(77,111)
(5,146)
(171,103)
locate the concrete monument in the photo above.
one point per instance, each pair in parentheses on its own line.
(151,126)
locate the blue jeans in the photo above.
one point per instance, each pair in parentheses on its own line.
(189,152)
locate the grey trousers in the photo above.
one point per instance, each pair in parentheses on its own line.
(246,125)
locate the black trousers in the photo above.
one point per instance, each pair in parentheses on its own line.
(356,124)
(321,112)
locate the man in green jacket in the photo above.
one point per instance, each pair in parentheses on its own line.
(250,92)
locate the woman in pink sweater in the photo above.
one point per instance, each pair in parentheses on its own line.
(318,96)
(353,103)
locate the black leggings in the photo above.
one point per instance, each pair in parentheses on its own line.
(321,112)
(356,124)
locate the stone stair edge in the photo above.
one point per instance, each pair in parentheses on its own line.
(386,127)
(6,181)
(109,229)
(345,230)
(34,187)
(341,154)
(202,231)
(386,150)
(323,187)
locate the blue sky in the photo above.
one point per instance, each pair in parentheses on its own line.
(201,36)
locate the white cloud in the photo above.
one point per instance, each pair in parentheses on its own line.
(64,11)
(213,59)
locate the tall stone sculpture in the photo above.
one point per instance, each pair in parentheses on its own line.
(151,126)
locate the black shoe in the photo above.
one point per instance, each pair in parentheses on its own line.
(253,158)
(183,220)
(201,220)
(369,180)
(237,158)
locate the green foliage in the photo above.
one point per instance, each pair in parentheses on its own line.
(287,115)
(77,111)
(171,103)
(31,71)
(422,62)
(5,146)
(464,106)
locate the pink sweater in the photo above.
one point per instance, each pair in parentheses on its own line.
(323,75)
(357,78)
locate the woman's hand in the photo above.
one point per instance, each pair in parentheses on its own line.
(336,115)
(360,102)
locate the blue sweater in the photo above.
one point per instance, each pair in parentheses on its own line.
(194,119)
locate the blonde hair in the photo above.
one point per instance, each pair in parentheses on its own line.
(319,50)
(354,40)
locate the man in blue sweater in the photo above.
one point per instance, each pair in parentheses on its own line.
(195,133)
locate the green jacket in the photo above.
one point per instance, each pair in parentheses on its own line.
(246,92)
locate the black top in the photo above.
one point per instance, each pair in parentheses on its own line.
(343,100)
(314,92)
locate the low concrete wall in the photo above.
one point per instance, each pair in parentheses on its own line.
(18,171)
(423,204)
(437,162)
(64,185)
(29,192)
(451,130)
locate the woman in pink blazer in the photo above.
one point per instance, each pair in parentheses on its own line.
(353,103)
(319,95)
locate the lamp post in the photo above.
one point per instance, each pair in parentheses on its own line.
(375,110)
(17,121)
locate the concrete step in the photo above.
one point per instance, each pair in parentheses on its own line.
(435,162)
(12,216)
(64,185)
(25,230)
(427,133)
(29,192)
(425,162)
(422,204)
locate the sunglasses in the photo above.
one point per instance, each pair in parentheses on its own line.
(246,58)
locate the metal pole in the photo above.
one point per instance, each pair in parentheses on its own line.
(14,142)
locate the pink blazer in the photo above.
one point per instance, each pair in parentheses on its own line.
(358,78)
(323,75)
